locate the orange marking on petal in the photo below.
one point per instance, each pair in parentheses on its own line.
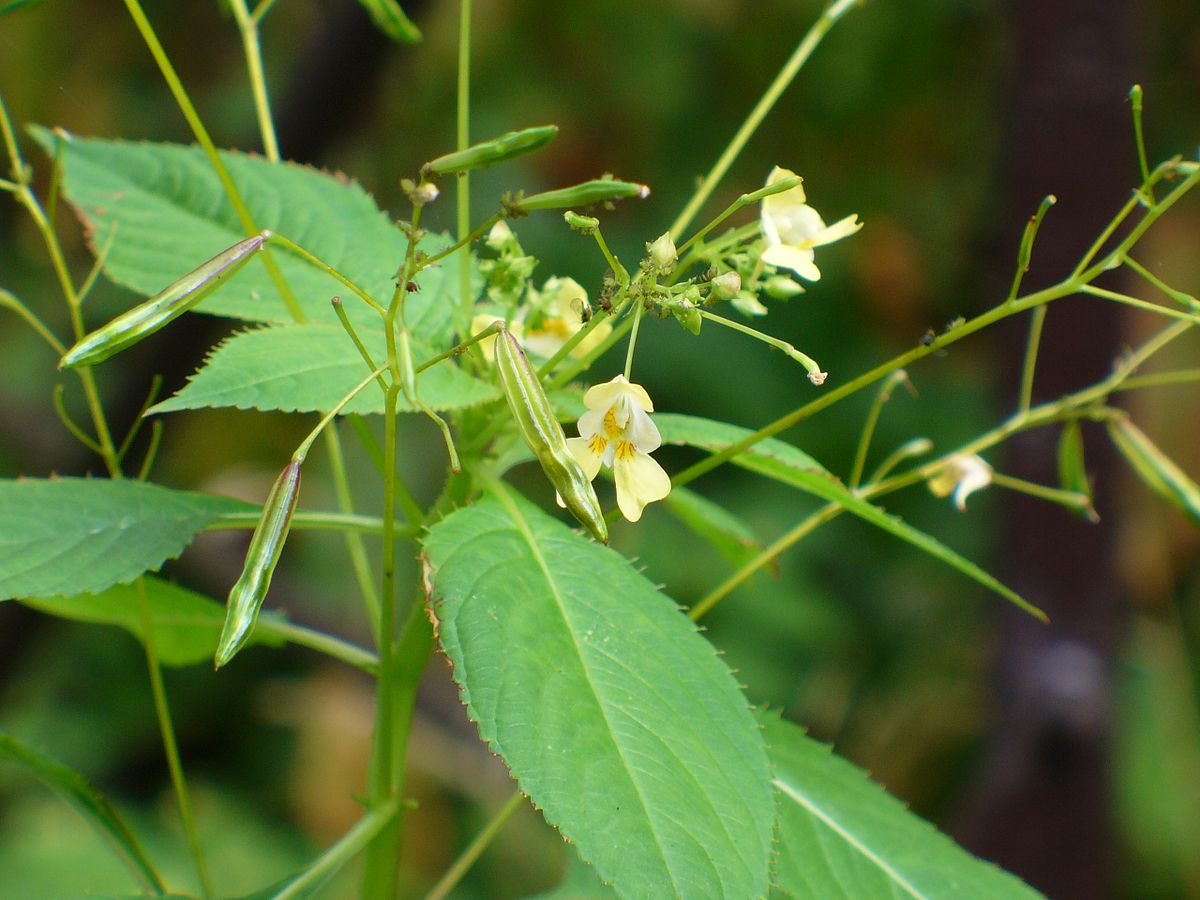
(625,450)
(610,423)
(597,444)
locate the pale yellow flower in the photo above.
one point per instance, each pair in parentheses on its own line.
(792,229)
(617,431)
(562,303)
(961,475)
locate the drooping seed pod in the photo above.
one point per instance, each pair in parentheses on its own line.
(598,190)
(247,595)
(146,318)
(488,153)
(1157,470)
(544,435)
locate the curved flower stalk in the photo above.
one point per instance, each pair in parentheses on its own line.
(617,431)
(961,475)
(792,228)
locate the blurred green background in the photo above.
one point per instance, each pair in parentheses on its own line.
(1069,753)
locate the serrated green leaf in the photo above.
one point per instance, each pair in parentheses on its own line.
(1157,470)
(171,214)
(580,883)
(90,803)
(81,535)
(186,624)
(310,368)
(725,532)
(616,717)
(793,466)
(841,835)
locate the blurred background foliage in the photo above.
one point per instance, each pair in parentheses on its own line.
(910,114)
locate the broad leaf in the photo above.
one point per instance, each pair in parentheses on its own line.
(616,717)
(793,466)
(841,835)
(186,624)
(309,368)
(98,812)
(80,535)
(166,212)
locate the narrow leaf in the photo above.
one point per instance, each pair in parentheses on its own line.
(842,836)
(1155,468)
(79,535)
(1072,471)
(186,624)
(616,717)
(725,532)
(90,804)
(793,466)
(310,368)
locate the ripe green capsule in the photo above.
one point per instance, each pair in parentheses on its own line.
(544,436)
(247,595)
(497,150)
(598,190)
(145,319)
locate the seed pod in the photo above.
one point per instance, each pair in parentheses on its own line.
(586,194)
(1155,468)
(246,596)
(544,436)
(130,327)
(497,150)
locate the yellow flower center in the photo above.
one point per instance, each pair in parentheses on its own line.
(611,428)
(625,450)
(597,444)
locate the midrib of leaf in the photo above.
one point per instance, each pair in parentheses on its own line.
(862,848)
(527,534)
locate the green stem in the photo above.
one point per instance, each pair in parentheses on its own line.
(1036,323)
(355,548)
(804,359)
(301,519)
(364,831)
(798,58)
(463,192)
(475,849)
(331,646)
(184,102)
(277,238)
(171,748)
(462,243)
(11,301)
(1182,376)
(1071,499)
(638,309)
(1126,300)
(864,441)
(1180,297)
(784,184)
(248,26)
(1068,406)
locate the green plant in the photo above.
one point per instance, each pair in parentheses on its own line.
(612,711)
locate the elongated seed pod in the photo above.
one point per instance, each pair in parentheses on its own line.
(1155,468)
(145,319)
(247,595)
(595,191)
(497,150)
(544,436)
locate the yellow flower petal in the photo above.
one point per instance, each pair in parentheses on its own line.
(800,261)
(640,480)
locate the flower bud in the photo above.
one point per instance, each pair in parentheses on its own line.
(725,287)
(500,236)
(780,287)
(145,319)
(247,595)
(489,153)
(599,190)
(662,252)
